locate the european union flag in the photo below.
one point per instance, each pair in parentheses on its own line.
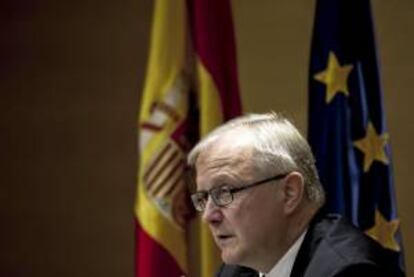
(347,128)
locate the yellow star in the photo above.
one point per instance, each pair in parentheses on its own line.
(384,231)
(334,77)
(372,145)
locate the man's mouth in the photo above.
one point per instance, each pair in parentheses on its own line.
(223,238)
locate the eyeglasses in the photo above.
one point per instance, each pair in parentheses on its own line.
(223,195)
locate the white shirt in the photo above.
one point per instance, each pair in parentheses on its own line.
(284,266)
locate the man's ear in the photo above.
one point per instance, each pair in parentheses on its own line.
(293,190)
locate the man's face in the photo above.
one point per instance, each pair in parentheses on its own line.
(251,228)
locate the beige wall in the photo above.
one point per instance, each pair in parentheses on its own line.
(70,79)
(273,53)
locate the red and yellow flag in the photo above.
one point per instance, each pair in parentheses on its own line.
(191,87)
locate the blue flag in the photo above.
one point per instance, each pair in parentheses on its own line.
(347,127)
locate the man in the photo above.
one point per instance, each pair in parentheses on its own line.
(259,192)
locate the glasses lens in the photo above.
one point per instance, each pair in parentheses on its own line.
(199,200)
(222,196)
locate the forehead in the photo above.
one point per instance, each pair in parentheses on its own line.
(230,156)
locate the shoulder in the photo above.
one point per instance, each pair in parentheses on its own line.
(363,270)
(344,249)
(348,242)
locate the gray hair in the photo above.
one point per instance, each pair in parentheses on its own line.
(277,145)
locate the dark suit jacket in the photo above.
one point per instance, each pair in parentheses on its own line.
(334,248)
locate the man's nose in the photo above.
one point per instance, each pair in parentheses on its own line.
(212,214)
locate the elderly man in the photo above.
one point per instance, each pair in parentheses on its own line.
(259,192)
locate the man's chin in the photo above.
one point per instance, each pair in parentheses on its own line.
(231,256)
(228,259)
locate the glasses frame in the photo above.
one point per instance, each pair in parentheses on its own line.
(232,191)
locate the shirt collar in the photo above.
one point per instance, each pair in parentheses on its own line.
(284,266)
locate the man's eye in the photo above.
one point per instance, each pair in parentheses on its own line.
(202,196)
(222,190)
(225,188)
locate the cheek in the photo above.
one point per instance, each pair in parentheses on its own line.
(250,214)
(261,216)
(246,218)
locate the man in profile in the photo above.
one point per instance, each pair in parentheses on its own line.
(258,190)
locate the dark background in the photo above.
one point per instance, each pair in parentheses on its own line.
(70,79)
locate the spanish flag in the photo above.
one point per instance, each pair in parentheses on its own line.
(190,88)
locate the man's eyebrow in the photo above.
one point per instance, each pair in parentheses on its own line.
(234,184)
(216,184)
